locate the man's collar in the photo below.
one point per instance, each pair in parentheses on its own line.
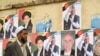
(20,44)
(67,53)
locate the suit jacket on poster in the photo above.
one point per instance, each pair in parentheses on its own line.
(68,24)
(89,49)
(29,27)
(41,53)
(56,49)
(1,34)
(14,49)
(8,33)
(72,53)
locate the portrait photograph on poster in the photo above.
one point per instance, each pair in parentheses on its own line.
(47,43)
(84,42)
(25,19)
(11,24)
(71,15)
(67,43)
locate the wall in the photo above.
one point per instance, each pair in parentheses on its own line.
(89,8)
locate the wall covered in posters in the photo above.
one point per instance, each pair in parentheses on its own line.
(54,28)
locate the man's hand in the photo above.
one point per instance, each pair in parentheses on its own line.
(83,37)
(50,39)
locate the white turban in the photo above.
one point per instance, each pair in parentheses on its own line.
(18,30)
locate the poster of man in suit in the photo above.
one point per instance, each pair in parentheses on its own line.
(84,43)
(25,19)
(67,47)
(11,24)
(46,44)
(52,44)
(71,15)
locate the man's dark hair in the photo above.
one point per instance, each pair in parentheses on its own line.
(26,13)
(1,21)
(95,34)
(40,38)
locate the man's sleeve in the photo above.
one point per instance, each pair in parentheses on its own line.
(46,44)
(90,53)
(58,49)
(8,51)
(77,23)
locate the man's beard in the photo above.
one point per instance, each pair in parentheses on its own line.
(23,40)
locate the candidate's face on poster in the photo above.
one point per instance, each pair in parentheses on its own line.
(86,40)
(68,42)
(97,49)
(53,41)
(72,10)
(11,21)
(26,19)
(39,44)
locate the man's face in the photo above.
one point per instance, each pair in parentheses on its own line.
(72,10)
(23,36)
(11,21)
(26,19)
(53,41)
(68,42)
(86,40)
(39,44)
(97,49)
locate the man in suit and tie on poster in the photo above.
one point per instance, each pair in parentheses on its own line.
(73,21)
(85,48)
(26,17)
(10,28)
(40,49)
(67,42)
(51,47)
(19,47)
